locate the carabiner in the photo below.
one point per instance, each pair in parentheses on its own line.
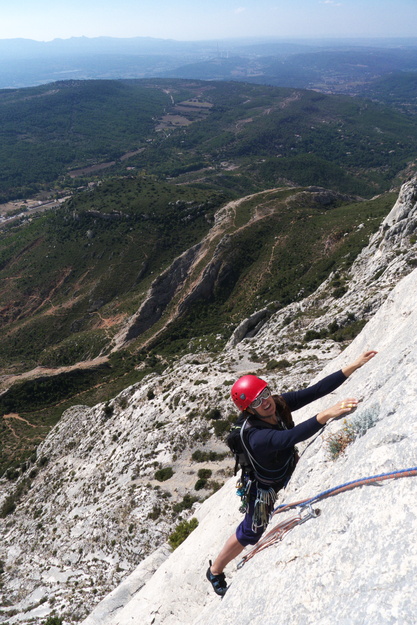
(308,512)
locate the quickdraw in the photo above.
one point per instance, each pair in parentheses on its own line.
(243,487)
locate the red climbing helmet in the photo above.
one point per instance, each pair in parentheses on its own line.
(246,389)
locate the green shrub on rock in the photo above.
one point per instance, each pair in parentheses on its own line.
(53,620)
(181,532)
(164,474)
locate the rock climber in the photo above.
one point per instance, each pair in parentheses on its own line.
(269,437)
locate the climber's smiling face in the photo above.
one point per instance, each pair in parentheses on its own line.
(263,406)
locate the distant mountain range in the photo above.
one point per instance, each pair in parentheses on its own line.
(335,65)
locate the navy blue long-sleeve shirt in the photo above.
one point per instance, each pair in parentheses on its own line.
(272,446)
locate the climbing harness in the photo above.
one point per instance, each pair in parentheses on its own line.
(267,476)
(306,511)
(264,501)
(265,497)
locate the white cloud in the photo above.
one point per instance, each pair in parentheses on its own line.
(240,10)
(335,4)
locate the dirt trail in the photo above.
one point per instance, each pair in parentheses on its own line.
(13,415)
(7,381)
(220,228)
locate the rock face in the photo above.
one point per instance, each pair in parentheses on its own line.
(90,509)
(250,326)
(390,255)
(161,293)
(213,275)
(183,281)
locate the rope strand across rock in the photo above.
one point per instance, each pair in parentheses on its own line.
(306,512)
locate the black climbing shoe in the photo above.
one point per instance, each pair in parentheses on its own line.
(217,581)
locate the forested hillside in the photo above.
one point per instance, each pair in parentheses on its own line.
(48,130)
(170,128)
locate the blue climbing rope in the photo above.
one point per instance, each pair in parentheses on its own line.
(306,511)
(347,486)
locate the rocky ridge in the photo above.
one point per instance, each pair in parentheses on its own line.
(356,562)
(93,510)
(390,255)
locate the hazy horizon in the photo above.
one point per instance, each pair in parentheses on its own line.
(186,20)
(249,38)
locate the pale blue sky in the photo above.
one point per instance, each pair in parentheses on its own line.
(45,20)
